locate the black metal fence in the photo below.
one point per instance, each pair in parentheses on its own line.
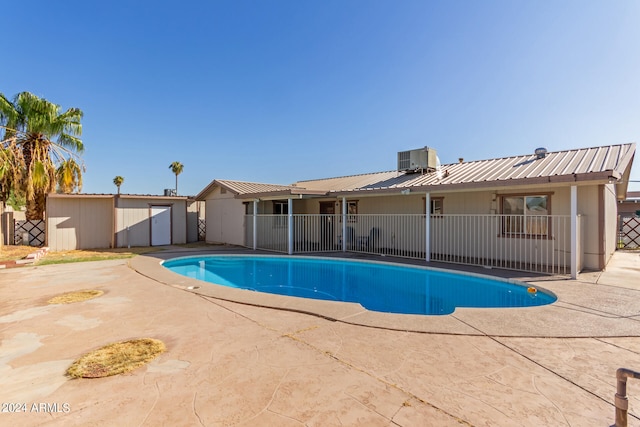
(629,232)
(201,229)
(31,231)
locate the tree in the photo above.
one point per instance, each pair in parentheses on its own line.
(41,146)
(16,202)
(118,180)
(176,167)
(69,176)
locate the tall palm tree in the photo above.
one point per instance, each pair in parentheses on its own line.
(45,145)
(176,167)
(118,180)
(69,176)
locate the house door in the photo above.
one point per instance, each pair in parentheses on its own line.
(326,225)
(160,225)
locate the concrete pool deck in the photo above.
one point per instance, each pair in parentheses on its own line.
(247,363)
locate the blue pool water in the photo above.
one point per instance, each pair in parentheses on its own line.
(376,286)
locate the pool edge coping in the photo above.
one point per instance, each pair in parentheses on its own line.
(507,322)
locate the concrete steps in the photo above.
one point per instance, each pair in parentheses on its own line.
(29,259)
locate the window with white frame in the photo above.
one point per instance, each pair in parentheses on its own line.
(526,215)
(280,208)
(352,211)
(436,205)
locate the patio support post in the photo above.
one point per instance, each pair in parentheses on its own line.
(574,232)
(290,224)
(255,224)
(427,219)
(344,224)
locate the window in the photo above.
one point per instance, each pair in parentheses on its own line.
(352,211)
(280,208)
(248,208)
(436,205)
(526,215)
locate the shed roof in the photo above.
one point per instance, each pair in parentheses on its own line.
(111,196)
(603,164)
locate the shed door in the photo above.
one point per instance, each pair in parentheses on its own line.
(160,225)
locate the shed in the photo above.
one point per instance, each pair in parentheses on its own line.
(94,221)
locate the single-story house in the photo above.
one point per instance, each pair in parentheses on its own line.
(93,221)
(543,211)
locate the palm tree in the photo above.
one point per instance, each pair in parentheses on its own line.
(118,180)
(176,167)
(30,125)
(69,176)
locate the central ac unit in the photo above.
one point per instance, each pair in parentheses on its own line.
(419,160)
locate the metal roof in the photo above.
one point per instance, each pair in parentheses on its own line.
(349,182)
(241,187)
(611,162)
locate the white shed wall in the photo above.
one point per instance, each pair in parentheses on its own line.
(225,218)
(133,226)
(79,223)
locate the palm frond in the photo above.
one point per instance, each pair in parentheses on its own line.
(69,176)
(39,175)
(70,141)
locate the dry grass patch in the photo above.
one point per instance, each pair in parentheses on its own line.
(116,358)
(62,257)
(12,253)
(77,296)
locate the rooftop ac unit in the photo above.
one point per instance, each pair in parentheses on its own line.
(169,192)
(419,160)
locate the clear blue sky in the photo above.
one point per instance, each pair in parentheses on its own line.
(278,91)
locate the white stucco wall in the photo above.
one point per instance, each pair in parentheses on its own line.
(224,218)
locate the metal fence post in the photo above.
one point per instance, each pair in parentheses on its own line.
(621,399)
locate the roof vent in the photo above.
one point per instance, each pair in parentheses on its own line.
(540,152)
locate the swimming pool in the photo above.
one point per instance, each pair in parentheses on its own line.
(377,286)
